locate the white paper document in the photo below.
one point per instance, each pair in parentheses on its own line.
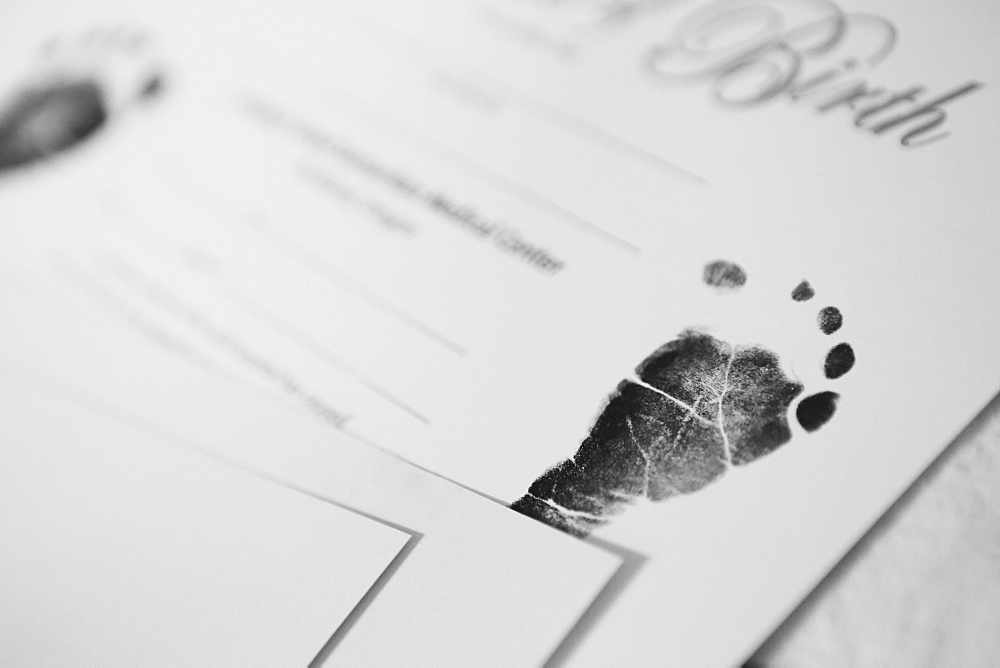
(710,281)
(476,574)
(122,550)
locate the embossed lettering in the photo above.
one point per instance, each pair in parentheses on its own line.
(753,51)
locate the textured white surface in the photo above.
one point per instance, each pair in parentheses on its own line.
(924,589)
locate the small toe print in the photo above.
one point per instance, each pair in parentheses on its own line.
(830,319)
(816,410)
(803,292)
(153,87)
(839,360)
(724,275)
(135,42)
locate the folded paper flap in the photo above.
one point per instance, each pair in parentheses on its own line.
(128,550)
(478,574)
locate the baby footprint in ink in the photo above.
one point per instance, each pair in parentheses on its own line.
(76,86)
(695,408)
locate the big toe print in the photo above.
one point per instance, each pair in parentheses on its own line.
(77,87)
(695,408)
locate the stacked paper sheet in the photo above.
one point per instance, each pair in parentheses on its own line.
(543,285)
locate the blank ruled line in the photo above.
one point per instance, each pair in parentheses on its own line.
(328,271)
(123,270)
(136,229)
(566,119)
(113,208)
(369,112)
(220,206)
(307,343)
(544,110)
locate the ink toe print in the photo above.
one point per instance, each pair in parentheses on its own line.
(76,87)
(694,409)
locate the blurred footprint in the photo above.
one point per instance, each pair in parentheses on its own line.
(75,88)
